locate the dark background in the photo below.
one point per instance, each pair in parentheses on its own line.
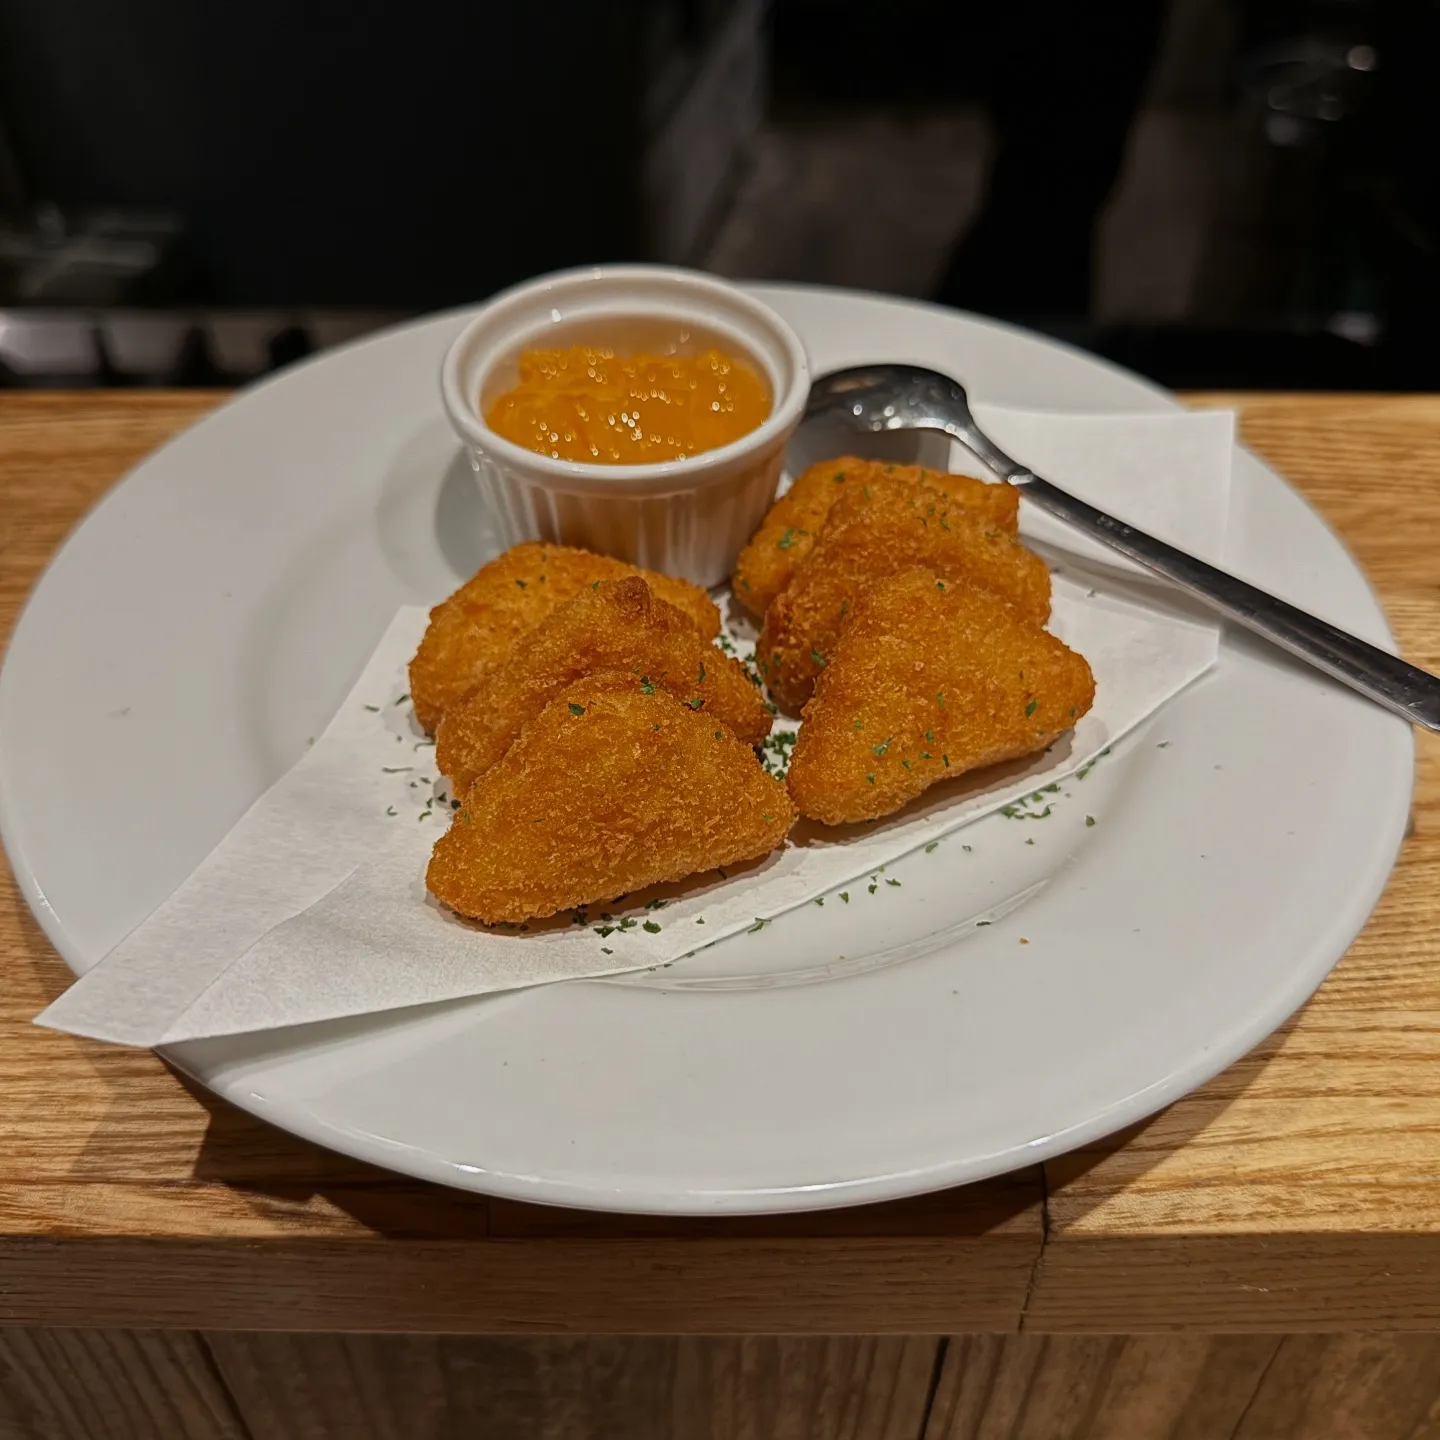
(1216,192)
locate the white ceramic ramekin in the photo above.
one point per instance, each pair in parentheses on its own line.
(682,517)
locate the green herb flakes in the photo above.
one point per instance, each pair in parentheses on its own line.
(933,845)
(845,896)
(651,926)
(817,657)
(1089,821)
(575,709)
(1032,707)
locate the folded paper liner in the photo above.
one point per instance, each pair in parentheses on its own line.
(314,906)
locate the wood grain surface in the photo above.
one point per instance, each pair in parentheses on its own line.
(1298,1191)
(230,1385)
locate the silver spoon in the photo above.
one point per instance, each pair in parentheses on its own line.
(904,397)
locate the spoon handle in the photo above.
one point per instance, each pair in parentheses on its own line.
(1407,690)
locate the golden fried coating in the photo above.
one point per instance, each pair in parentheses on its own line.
(477,627)
(930,678)
(872,533)
(787,534)
(609,789)
(609,625)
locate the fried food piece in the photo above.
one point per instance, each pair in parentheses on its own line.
(609,789)
(477,627)
(609,625)
(930,679)
(871,534)
(788,533)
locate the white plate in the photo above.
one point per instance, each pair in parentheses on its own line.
(211,613)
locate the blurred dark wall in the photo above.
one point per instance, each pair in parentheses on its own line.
(390,153)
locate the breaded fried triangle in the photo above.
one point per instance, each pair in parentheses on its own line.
(871,534)
(609,625)
(788,532)
(930,678)
(609,789)
(478,627)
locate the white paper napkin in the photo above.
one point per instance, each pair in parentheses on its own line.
(314,906)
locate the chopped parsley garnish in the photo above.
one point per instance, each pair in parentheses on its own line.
(719,734)
(391,810)
(520,584)
(594,584)
(373,709)
(604,949)
(575,709)
(1164,744)
(647,685)
(817,657)
(882,747)
(758,925)
(701,680)
(1089,821)
(839,477)
(872,887)
(930,736)
(1031,707)
(652,927)
(396,769)
(845,896)
(933,845)
(906,764)
(946,759)
(939,584)
(403,698)
(870,778)
(788,539)
(940,698)
(656,904)
(819,899)
(696,703)
(895,883)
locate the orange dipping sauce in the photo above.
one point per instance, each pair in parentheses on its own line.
(589,404)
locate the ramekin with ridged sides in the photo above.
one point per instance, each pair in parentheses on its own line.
(685,517)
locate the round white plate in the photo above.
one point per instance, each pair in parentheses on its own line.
(211,613)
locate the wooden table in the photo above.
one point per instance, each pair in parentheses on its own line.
(1263,1259)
